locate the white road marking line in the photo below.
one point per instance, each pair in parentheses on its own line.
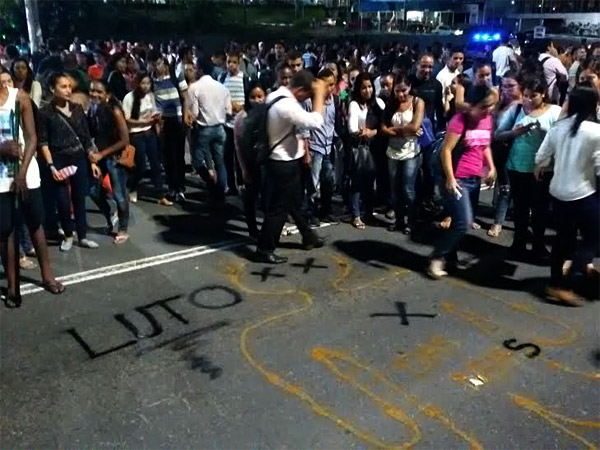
(138,264)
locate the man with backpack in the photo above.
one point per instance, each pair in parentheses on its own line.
(557,77)
(286,157)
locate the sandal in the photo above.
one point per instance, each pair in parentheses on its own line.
(55,287)
(495,230)
(120,238)
(27,264)
(358,223)
(445,224)
(475,226)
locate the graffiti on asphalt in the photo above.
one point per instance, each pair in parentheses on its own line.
(509,344)
(266,273)
(401,307)
(182,341)
(308,264)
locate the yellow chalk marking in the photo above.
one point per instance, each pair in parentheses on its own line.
(345,268)
(490,367)
(557,420)
(552,363)
(426,357)
(327,357)
(234,272)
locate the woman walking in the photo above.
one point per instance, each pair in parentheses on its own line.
(402,121)
(463,169)
(574,146)
(65,142)
(109,130)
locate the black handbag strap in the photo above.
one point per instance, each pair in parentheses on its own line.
(71,129)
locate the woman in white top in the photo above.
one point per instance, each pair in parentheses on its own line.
(574,146)
(24,79)
(364,114)
(402,121)
(142,117)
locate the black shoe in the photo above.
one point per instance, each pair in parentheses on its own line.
(269,258)
(313,222)
(180,197)
(332,220)
(313,242)
(392,227)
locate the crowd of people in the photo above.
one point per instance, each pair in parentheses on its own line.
(411,133)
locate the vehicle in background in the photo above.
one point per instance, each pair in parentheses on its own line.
(445,30)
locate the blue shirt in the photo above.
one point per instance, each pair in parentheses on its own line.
(321,139)
(166,95)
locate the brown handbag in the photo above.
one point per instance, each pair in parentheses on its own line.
(127,158)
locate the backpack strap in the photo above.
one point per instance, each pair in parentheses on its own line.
(291,132)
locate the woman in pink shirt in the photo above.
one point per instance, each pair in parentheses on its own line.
(465,151)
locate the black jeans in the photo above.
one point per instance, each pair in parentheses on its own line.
(173,147)
(232,165)
(59,191)
(529,195)
(283,195)
(583,215)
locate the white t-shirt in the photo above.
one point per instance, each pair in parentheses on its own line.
(7,174)
(147,108)
(445,77)
(402,148)
(357,116)
(576,159)
(502,57)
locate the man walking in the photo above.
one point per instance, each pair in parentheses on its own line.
(283,171)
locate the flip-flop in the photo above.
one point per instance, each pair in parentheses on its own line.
(10,301)
(55,288)
(120,239)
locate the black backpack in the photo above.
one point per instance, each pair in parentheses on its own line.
(255,146)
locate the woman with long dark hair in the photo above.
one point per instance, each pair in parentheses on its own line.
(511,101)
(401,123)
(24,79)
(110,133)
(115,75)
(364,117)
(530,195)
(65,143)
(573,147)
(142,117)
(463,170)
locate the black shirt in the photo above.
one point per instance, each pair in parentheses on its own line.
(103,126)
(431,92)
(117,84)
(69,136)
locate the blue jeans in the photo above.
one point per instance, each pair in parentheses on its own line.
(322,180)
(403,178)
(209,153)
(461,211)
(146,146)
(118,181)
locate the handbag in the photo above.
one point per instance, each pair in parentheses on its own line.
(362,159)
(127,158)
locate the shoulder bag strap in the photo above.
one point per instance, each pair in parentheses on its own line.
(291,132)
(71,129)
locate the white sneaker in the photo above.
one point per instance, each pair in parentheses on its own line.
(133,197)
(436,269)
(66,244)
(86,243)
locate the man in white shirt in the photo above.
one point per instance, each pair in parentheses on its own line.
(452,68)
(283,171)
(503,57)
(210,105)
(554,70)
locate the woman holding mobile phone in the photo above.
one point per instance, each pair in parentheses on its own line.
(463,169)
(143,118)
(530,196)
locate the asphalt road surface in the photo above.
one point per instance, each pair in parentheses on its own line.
(177,340)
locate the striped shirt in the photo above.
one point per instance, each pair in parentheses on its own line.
(166,95)
(235,86)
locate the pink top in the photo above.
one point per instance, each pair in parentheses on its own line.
(476,140)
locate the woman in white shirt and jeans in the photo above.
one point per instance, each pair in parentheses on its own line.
(574,145)
(402,121)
